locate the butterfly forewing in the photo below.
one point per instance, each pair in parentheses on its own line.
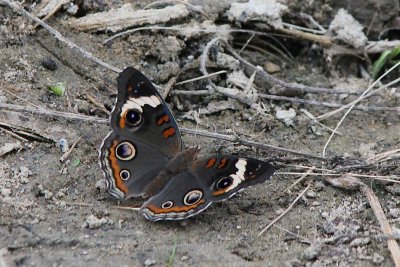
(129,165)
(141,114)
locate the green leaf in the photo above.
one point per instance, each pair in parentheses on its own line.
(378,64)
(58,88)
(76,162)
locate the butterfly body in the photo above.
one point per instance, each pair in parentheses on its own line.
(143,156)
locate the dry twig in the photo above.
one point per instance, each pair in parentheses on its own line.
(66,154)
(79,117)
(286,211)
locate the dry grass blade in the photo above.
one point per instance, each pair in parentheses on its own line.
(79,117)
(385,226)
(286,211)
(361,97)
(350,182)
(16,7)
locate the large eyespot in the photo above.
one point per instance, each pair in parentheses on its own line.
(125,175)
(192,197)
(133,117)
(167,205)
(125,151)
(224,183)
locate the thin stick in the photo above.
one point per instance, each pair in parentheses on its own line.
(247,42)
(79,117)
(375,177)
(97,104)
(385,226)
(16,7)
(302,177)
(20,138)
(312,117)
(66,154)
(382,156)
(331,113)
(286,211)
(326,104)
(248,142)
(127,208)
(352,106)
(294,86)
(168,87)
(202,77)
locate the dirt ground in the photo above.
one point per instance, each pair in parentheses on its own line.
(57,213)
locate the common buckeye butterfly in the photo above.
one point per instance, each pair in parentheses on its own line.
(143,155)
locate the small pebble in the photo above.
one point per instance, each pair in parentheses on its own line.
(49,64)
(311,194)
(93,222)
(315,203)
(149,262)
(377,259)
(358,242)
(271,67)
(324,214)
(184,258)
(64,146)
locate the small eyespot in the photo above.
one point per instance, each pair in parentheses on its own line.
(125,175)
(192,197)
(125,151)
(224,183)
(167,205)
(133,117)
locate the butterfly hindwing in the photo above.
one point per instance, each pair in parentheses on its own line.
(181,198)
(128,165)
(224,176)
(141,114)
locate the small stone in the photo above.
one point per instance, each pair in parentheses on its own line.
(279,211)
(271,67)
(149,262)
(49,64)
(93,222)
(184,258)
(312,252)
(329,227)
(238,227)
(63,144)
(47,194)
(377,259)
(72,9)
(319,186)
(395,213)
(24,172)
(315,203)
(311,194)
(358,242)
(101,184)
(394,189)
(324,214)
(286,116)
(5,192)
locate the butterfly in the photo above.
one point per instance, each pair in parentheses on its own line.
(143,156)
